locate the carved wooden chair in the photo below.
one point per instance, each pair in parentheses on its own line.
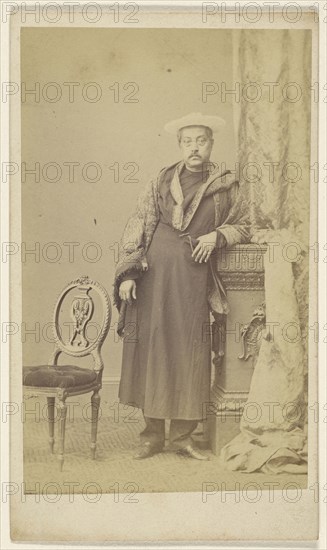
(63,381)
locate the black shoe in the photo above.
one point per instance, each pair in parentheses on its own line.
(192,453)
(147,450)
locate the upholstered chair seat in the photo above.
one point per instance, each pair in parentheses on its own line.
(58,376)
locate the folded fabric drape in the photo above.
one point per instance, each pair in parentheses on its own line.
(273,431)
(273,135)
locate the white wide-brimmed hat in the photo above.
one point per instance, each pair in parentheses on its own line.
(195,119)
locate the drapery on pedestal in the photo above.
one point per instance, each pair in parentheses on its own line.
(273,129)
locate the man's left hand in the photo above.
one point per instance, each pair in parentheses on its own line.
(204,248)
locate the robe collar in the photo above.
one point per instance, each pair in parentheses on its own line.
(217,182)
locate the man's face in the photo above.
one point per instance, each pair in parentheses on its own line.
(196,146)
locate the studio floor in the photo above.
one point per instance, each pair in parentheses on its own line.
(115,470)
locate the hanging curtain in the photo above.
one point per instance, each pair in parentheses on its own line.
(273,69)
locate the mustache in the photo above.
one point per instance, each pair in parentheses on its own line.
(197,156)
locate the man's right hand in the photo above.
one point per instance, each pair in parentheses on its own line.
(127,290)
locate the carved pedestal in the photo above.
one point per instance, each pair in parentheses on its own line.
(236,341)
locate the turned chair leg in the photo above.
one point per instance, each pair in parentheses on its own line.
(51,415)
(95,406)
(62,425)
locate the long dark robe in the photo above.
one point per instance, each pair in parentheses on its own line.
(167,348)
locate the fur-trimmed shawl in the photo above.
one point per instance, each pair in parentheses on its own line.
(231,219)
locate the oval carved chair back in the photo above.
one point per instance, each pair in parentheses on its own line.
(82,308)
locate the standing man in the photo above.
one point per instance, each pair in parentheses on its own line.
(166,284)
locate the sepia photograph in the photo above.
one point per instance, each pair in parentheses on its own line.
(164,260)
